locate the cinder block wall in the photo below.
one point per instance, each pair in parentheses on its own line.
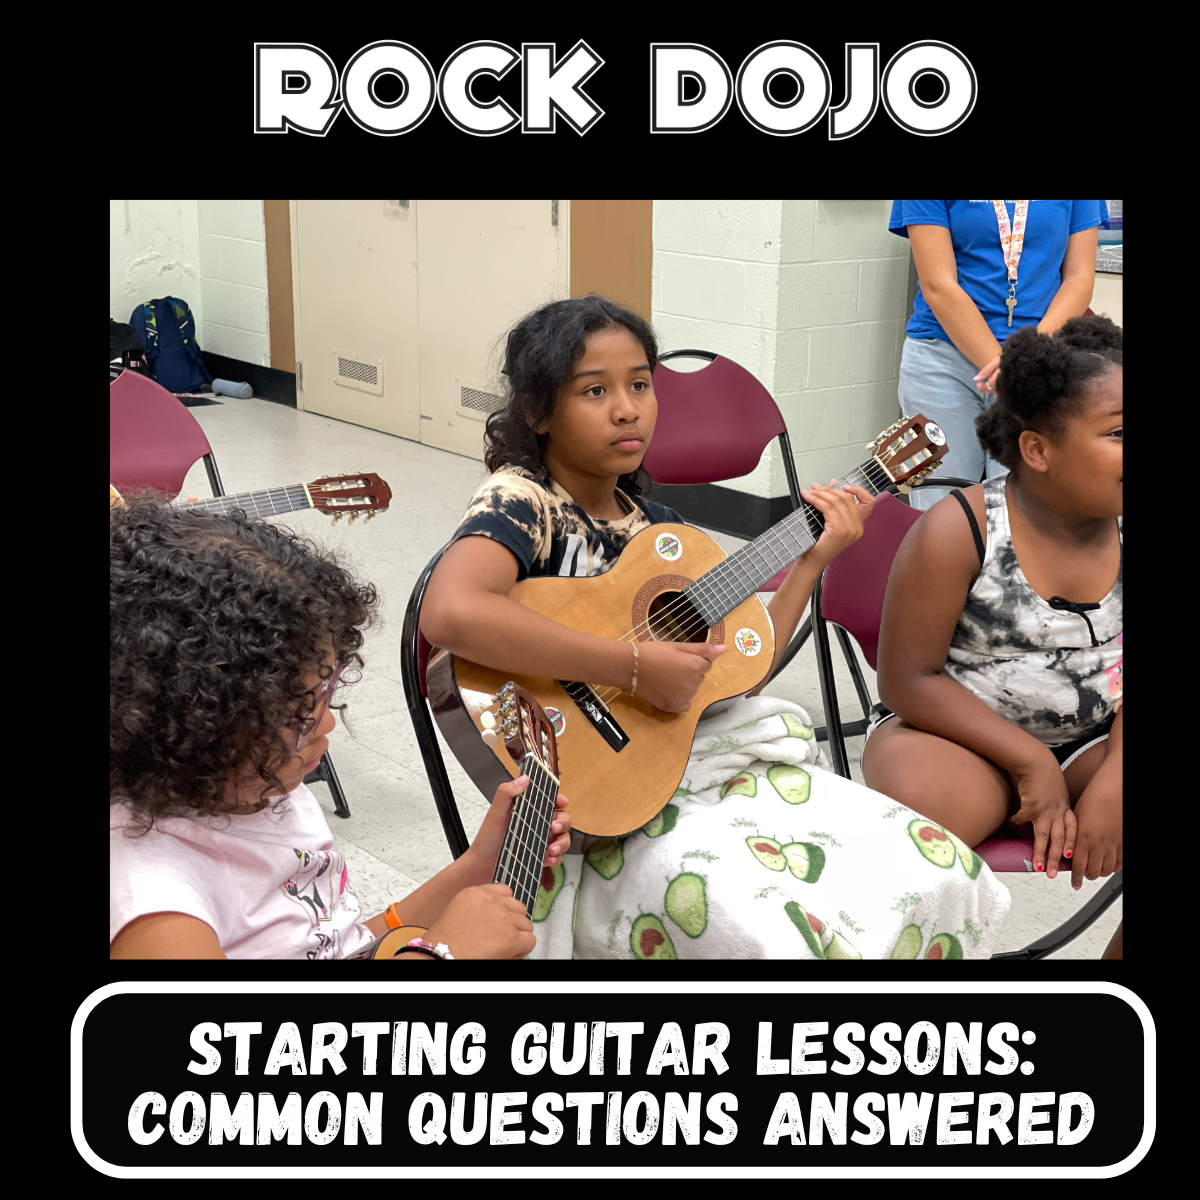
(809,295)
(233,279)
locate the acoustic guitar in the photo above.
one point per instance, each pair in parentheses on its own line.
(524,729)
(671,583)
(356,494)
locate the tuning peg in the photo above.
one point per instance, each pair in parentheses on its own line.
(353,518)
(368,516)
(337,516)
(905,488)
(489,737)
(488,721)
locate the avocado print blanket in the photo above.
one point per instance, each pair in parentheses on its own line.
(764,853)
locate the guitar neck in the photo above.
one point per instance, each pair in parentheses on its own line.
(737,578)
(524,850)
(270,502)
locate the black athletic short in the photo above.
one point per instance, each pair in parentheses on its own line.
(1065,754)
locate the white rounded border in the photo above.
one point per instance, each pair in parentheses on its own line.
(669,991)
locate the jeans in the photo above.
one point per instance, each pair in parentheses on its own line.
(937,380)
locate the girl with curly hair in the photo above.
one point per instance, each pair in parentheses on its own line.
(232,641)
(1000,650)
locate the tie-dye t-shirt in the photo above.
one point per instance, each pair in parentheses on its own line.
(1054,673)
(546,530)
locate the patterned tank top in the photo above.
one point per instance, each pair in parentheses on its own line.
(1052,670)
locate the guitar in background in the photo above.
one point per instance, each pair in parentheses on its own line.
(358,495)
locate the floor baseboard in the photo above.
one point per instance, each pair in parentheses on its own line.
(268,383)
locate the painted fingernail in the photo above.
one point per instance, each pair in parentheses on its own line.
(1039,867)
(1067,853)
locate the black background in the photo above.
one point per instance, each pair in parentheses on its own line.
(115,1072)
(1034,84)
(1052,104)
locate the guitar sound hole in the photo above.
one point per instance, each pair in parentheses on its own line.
(672,618)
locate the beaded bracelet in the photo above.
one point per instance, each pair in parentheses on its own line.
(418,946)
(633,687)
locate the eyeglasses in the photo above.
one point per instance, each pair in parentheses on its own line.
(303,729)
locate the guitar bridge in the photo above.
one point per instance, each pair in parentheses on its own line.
(597,713)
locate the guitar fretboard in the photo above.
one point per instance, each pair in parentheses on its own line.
(524,849)
(268,503)
(739,576)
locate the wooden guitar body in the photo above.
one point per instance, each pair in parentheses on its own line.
(612,792)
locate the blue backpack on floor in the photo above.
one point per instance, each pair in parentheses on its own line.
(168,333)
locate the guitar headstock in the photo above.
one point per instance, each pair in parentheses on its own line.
(525,727)
(356,494)
(910,449)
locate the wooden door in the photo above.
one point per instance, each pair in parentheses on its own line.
(611,250)
(357,297)
(483,265)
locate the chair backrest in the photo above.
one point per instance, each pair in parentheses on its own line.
(853,585)
(152,439)
(713,423)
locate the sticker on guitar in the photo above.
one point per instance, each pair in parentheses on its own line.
(747,642)
(668,547)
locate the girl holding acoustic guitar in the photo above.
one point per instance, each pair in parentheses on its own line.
(231,640)
(564,500)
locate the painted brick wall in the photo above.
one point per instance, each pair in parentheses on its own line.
(153,250)
(233,279)
(810,296)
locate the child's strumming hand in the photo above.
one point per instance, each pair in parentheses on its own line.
(484,922)
(670,673)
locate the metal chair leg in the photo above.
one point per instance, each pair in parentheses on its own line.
(214,476)
(1056,939)
(324,772)
(837,741)
(418,710)
(794,646)
(860,684)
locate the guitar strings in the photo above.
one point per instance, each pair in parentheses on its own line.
(716,586)
(521,860)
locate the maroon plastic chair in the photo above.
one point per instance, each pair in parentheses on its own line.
(849,595)
(153,440)
(714,424)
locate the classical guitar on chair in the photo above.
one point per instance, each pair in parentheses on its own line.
(671,583)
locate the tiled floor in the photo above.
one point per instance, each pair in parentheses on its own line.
(393,839)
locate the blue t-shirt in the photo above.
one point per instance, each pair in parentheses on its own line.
(975,235)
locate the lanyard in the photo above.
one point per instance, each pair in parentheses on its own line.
(1011,242)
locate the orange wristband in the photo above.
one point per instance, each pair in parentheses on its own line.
(392,917)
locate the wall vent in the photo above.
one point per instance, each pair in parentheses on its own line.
(356,371)
(476,403)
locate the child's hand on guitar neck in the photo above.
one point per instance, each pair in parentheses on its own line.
(485,849)
(670,673)
(843,519)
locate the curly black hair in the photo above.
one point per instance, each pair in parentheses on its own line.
(1044,381)
(540,355)
(216,622)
